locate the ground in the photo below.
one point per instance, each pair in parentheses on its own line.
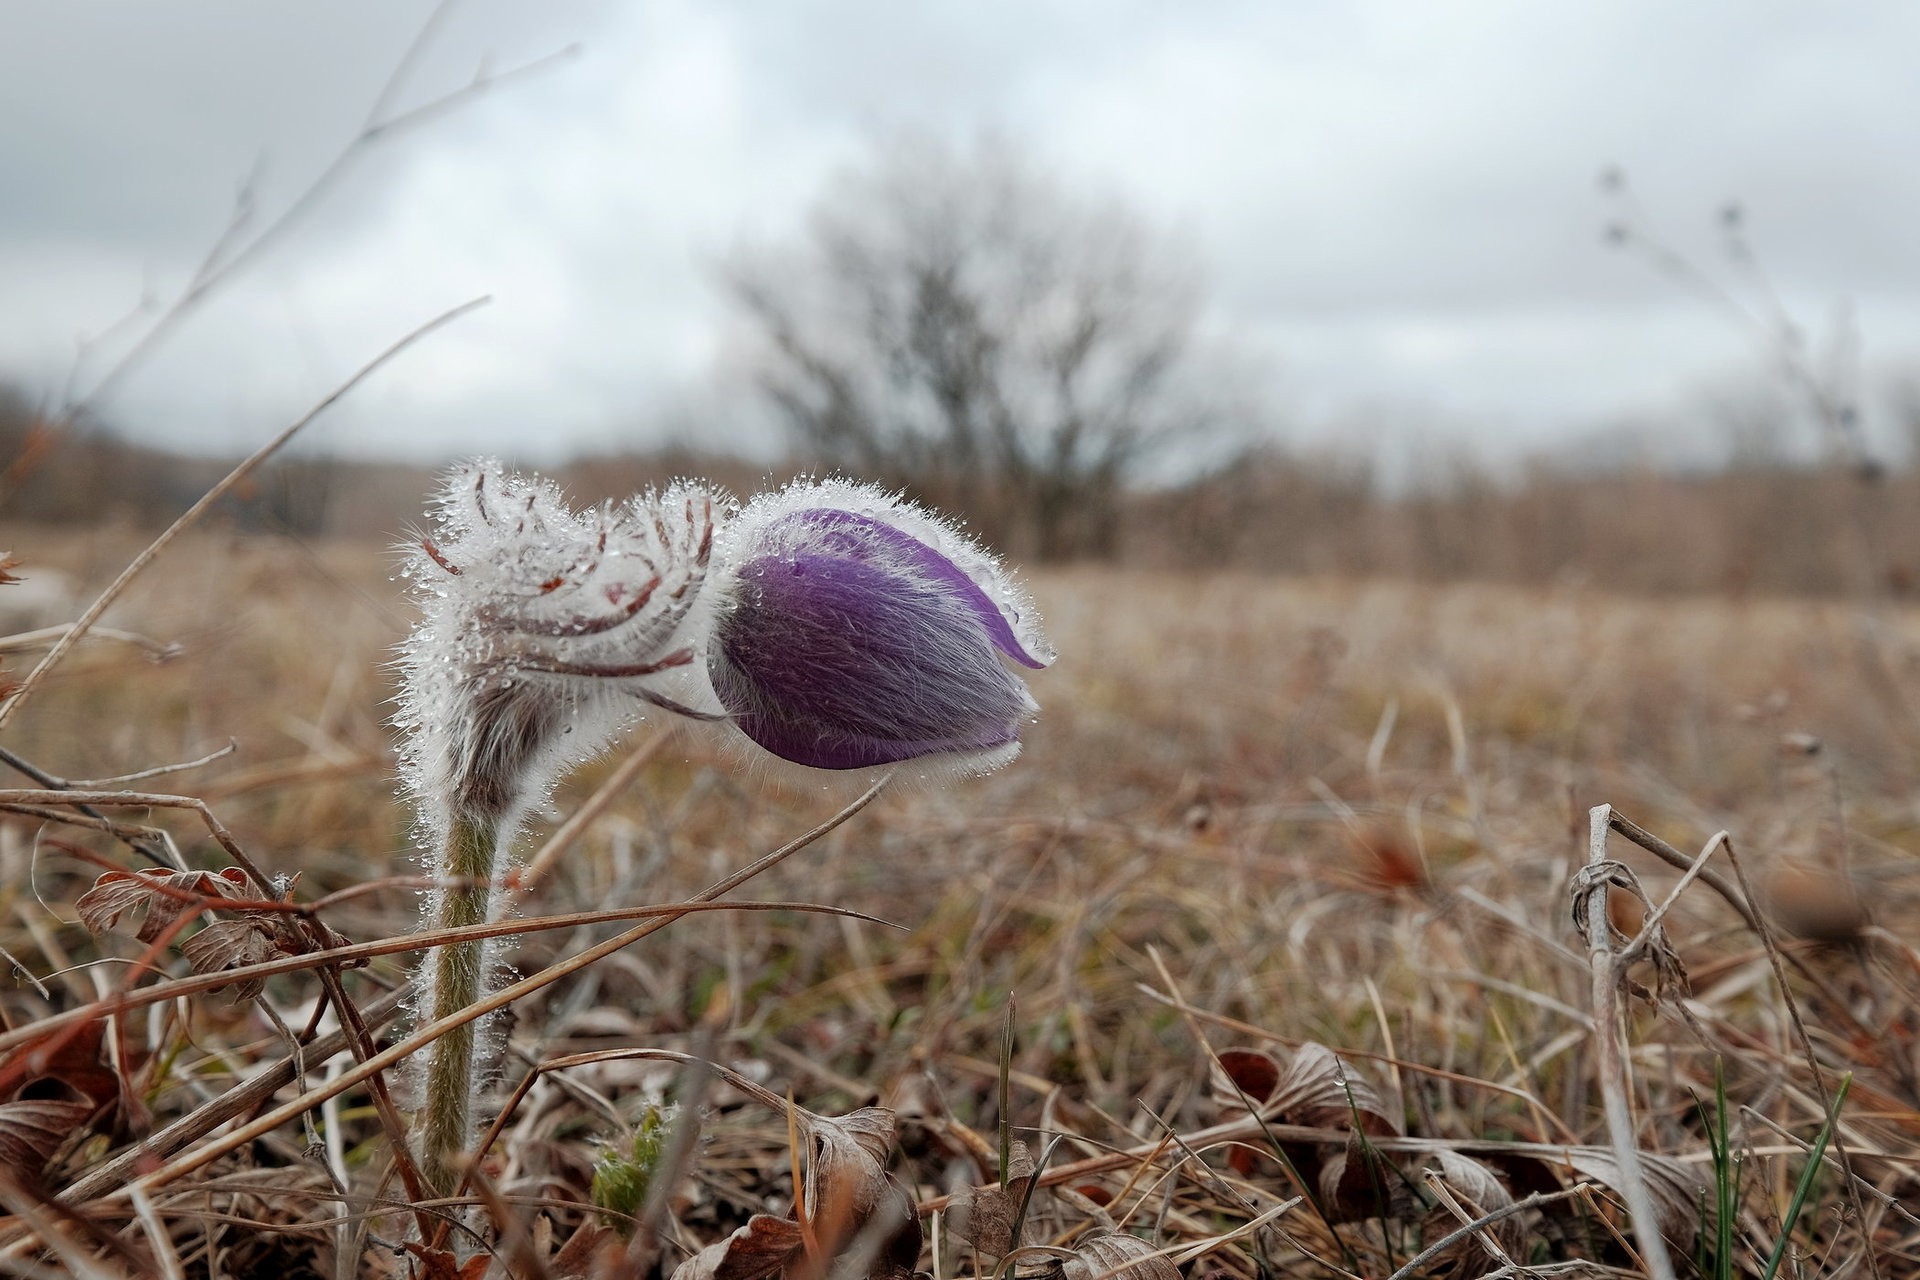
(1257,819)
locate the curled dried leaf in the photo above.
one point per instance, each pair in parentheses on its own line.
(229,944)
(32,1129)
(862,1218)
(857,1207)
(443,1264)
(77,1065)
(1677,1190)
(761,1249)
(1243,1076)
(592,1250)
(870,1129)
(1477,1191)
(1615,878)
(1118,1257)
(1321,1090)
(164,895)
(984,1216)
(1361,1183)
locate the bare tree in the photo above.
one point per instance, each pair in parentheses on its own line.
(956,321)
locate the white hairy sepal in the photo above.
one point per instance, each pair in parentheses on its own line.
(543,632)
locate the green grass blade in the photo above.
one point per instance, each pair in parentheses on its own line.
(1807,1175)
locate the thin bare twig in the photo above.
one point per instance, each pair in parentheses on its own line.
(229,252)
(191,516)
(1610,1065)
(159,770)
(1741,903)
(1481,1223)
(159,852)
(157,650)
(195,984)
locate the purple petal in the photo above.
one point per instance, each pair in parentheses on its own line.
(860,648)
(859,540)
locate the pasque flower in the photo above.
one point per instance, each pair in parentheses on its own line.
(853,629)
(543,631)
(832,624)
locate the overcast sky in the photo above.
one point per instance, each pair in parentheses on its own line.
(1394,200)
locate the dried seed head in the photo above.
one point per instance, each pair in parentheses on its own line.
(852,629)
(543,629)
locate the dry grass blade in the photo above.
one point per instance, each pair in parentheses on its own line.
(360,952)
(498,1000)
(1610,1061)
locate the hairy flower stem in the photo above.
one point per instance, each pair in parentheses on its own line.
(447,1112)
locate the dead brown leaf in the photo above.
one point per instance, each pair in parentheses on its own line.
(1245,1075)
(229,944)
(861,1217)
(1361,1183)
(1677,1190)
(1323,1091)
(77,1064)
(761,1249)
(1101,1257)
(857,1207)
(588,1252)
(441,1264)
(1479,1192)
(983,1216)
(32,1129)
(165,895)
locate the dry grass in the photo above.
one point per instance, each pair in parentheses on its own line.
(1255,814)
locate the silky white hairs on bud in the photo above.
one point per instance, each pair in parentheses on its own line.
(543,632)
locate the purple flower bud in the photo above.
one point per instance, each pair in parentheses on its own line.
(853,629)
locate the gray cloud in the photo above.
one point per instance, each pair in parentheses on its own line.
(1395,200)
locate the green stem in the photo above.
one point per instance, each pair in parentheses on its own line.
(447,1110)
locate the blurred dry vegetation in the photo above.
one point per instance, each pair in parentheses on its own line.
(1772,525)
(1260,819)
